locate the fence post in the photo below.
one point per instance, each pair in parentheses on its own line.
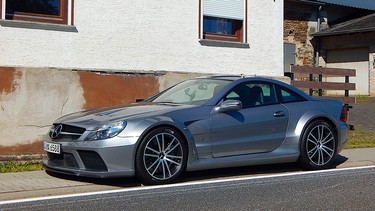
(320,80)
(311,79)
(290,75)
(346,91)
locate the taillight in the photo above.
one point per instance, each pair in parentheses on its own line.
(345,113)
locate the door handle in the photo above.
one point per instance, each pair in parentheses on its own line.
(279,114)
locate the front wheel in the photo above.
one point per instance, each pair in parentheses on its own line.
(318,145)
(161,156)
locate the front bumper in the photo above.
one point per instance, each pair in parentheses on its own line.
(99,159)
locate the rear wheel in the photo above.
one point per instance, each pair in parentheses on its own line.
(161,156)
(318,145)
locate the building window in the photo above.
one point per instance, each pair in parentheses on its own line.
(223,20)
(222,29)
(48,11)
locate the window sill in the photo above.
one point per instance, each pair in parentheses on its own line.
(217,43)
(37,25)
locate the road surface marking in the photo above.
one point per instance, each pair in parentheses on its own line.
(181,185)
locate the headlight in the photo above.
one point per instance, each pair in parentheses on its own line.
(106,131)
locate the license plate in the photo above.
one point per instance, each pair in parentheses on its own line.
(53,148)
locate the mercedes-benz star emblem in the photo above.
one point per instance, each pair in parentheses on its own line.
(56,131)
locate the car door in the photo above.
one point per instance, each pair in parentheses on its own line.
(259,127)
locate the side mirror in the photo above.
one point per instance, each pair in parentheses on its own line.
(230,105)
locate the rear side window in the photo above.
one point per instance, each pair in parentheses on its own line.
(286,95)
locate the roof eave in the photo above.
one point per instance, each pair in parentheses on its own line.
(323,34)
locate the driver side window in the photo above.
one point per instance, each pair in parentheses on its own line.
(253,94)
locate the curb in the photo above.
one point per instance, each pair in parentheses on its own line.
(21,159)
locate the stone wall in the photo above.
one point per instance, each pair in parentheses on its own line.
(299,21)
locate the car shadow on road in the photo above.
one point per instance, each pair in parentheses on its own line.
(338,160)
(226,173)
(259,170)
(203,175)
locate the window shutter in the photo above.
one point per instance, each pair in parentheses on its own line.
(231,9)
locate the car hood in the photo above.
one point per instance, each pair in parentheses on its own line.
(94,118)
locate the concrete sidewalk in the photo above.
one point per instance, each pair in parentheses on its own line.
(38,183)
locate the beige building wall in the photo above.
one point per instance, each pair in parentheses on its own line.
(372,70)
(31,99)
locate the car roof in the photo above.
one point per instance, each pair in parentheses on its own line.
(236,79)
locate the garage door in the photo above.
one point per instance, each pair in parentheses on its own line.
(356,58)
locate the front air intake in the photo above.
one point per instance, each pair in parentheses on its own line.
(92,161)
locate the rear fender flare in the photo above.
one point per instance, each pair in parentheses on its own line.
(311,116)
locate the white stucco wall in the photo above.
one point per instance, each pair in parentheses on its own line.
(147,36)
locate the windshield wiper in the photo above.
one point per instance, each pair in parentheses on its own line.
(166,102)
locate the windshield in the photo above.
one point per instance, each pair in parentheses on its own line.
(192,92)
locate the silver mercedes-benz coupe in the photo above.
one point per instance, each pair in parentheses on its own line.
(203,123)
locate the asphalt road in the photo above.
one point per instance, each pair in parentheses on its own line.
(338,189)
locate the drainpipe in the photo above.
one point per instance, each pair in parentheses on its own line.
(317,43)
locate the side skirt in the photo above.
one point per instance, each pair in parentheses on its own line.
(280,155)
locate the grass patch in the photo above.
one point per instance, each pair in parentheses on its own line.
(14,167)
(364,99)
(360,139)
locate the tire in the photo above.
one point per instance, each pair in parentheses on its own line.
(318,146)
(161,156)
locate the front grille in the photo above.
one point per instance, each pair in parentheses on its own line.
(63,132)
(64,159)
(73,129)
(92,161)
